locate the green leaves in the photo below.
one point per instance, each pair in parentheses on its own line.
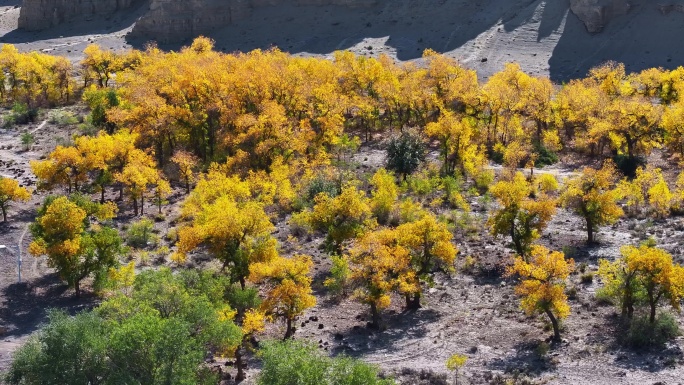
(158,335)
(297,363)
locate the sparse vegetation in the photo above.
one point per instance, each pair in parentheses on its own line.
(280,222)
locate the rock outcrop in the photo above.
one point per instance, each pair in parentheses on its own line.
(666,8)
(43,14)
(595,14)
(176,20)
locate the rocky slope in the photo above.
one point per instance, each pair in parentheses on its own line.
(43,14)
(177,20)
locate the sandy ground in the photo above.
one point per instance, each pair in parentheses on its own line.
(542,35)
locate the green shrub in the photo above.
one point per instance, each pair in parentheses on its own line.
(63,118)
(405,153)
(141,234)
(321,185)
(587,278)
(642,334)
(484,179)
(298,363)
(544,156)
(27,140)
(339,276)
(20,114)
(628,165)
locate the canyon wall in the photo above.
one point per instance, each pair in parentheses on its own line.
(595,14)
(176,20)
(43,14)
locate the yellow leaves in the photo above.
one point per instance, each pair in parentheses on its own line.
(122,279)
(236,229)
(343,217)
(10,191)
(593,196)
(63,219)
(253,322)
(37,248)
(520,216)
(543,281)
(645,272)
(547,183)
(429,242)
(378,266)
(457,143)
(456,361)
(384,195)
(289,292)
(186,163)
(226,313)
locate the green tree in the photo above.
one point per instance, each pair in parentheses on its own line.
(159,334)
(74,246)
(405,153)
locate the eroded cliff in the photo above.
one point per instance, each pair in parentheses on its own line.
(43,14)
(177,20)
(174,20)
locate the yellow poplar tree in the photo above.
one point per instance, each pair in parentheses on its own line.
(379,266)
(10,191)
(521,217)
(289,287)
(592,196)
(429,243)
(542,284)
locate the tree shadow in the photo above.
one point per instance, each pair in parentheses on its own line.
(530,357)
(26,304)
(649,359)
(357,341)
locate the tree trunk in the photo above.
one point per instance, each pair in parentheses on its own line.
(375,316)
(102,194)
(142,204)
(239,365)
(187,185)
(627,303)
(135,207)
(413,303)
(652,317)
(554,323)
(4,213)
(652,302)
(77,288)
(590,231)
(289,332)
